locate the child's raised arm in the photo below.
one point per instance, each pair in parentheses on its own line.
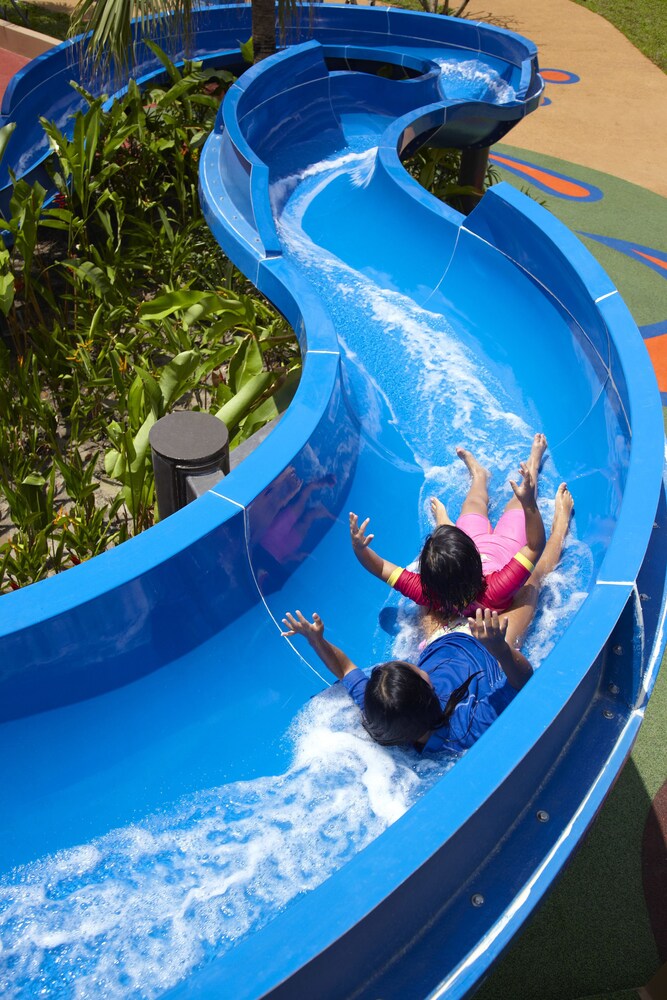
(333,658)
(491,631)
(526,495)
(369,559)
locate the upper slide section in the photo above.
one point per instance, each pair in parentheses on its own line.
(43,88)
(438,58)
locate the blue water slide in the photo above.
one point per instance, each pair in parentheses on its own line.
(190,808)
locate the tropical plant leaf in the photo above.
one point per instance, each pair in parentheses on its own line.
(264,413)
(94,276)
(5,136)
(151,391)
(242,403)
(246,363)
(248,51)
(7,284)
(135,402)
(171,302)
(178,376)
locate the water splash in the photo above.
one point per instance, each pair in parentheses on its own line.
(133,912)
(472,80)
(394,340)
(358,165)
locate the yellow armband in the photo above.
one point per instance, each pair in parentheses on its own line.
(526,563)
(394,576)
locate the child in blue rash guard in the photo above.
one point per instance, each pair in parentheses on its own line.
(462,681)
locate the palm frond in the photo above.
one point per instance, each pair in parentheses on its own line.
(109,24)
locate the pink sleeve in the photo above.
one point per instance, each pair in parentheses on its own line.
(409,584)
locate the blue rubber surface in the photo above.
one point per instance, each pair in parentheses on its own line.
(190,806)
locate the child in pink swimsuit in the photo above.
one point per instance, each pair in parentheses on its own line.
(469,565)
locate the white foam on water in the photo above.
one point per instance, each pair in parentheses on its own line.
(132,913)
(473,80)
(358,165)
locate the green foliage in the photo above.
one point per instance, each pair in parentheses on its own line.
(248,51)
(438,171)
(36,17)
(116,306)
(109,25)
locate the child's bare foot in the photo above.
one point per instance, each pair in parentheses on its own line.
(476,470)
(563,507)
(439,511)
(537,451)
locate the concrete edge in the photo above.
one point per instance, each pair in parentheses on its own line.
(23,41)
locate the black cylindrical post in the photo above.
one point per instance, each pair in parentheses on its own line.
(471,174)
(187,446)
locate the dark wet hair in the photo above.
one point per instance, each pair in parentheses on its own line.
(450,568)
(400,706)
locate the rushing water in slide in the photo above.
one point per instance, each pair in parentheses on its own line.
(133,912)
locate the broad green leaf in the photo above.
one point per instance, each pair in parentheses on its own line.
(135,402)
(34,479)
(238,407)
(222,394)
(62,214)
(258,418)
(92,137)
(151,391)
(230,313)
(245,364)
(114,464)
(94,276)
(5,136)
(128,444)
(170,302)
(172,72)
(248,50)
(117,139)
(284,394)
(6,293)
(176,92)
(177,377)
(166,225)
(141,446)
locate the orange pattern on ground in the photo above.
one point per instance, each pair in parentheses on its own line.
(657,349)
(559,184)
(654,260)
(554,75)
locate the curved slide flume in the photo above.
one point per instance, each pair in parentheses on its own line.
(479,329)
(148,694)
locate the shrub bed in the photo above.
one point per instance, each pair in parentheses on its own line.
(116,306)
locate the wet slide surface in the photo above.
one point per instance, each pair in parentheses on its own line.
(184,778)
